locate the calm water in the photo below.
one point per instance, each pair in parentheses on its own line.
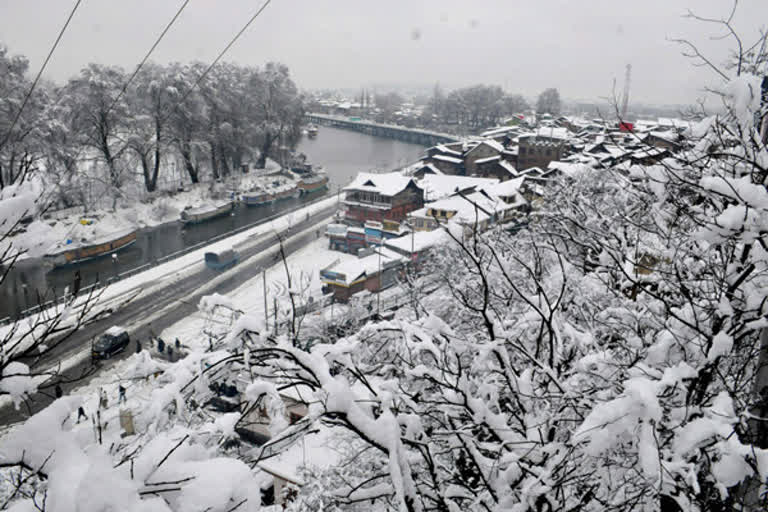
(342,153)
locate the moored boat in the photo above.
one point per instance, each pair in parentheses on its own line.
(83,251)
(207,212)
(260,196)
(313,182)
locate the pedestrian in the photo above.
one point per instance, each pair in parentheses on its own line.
(59,391)
(114,258)
(170,353)
(210,344)
(81,414)
(104,401)
(317,233)
(138,346)
(121,394)
(160,345)
(178,344)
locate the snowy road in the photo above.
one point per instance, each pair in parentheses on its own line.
(160,305)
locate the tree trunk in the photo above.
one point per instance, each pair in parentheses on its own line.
(223,162)
(264,153)
(156,169)
(214,162)
(186,154)
(145,168)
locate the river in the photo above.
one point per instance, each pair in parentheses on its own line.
(342,153)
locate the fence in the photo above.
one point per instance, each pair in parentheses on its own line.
(132,272)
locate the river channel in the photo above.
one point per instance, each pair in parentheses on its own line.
(342,153)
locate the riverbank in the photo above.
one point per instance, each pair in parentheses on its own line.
(54,228)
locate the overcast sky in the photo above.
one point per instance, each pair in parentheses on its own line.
(524,46)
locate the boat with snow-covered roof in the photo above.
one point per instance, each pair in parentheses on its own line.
(203,213)
(86,250)
(260,196)
(313,182)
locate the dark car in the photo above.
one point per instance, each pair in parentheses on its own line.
(110,343)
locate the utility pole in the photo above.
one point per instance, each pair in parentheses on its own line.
(378,295)
(266,310)
(275,313)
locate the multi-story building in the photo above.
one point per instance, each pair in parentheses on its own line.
(380,197)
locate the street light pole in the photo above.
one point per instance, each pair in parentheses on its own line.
(378,295)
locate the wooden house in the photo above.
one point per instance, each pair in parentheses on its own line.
(380,197)
(485,150)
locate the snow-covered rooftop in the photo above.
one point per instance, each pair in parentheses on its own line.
(387,184)
(288,463)
(554,133)
(487,159)
(568,168)
(508,166)
(431,167)
(497,146)
(467,208)
(437,186)
(417,241)
(443,149)
(446,158)
(498,131)
(353,270)
(505,188)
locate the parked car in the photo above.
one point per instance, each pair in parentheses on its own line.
(114,340)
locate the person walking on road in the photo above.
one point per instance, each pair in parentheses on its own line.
(121,394)
(170,353)
(160,345)
(178,344)
(81,414)
(104,403)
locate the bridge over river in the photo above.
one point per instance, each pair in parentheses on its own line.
(412,135)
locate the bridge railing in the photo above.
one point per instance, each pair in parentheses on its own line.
(363,122)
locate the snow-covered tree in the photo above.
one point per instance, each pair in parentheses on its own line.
(548,102)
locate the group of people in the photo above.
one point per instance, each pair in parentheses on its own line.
(103,400)
(167,348)
(163,348)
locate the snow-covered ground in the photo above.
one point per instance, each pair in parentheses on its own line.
(44,234)
(304,267)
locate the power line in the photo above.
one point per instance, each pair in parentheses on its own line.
(216,60)
(146,57)
(138,68)
(39,73)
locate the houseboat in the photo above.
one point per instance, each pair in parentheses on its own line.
(102,246)
(207,212)
(314,182)
(272,195)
